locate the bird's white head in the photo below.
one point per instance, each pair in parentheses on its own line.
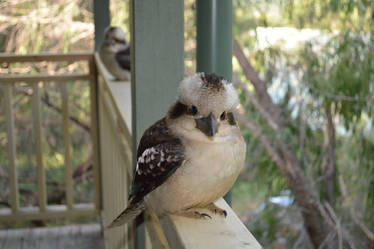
(115,39)
(207,99)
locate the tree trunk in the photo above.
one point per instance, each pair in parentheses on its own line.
(285,158)
(331,168)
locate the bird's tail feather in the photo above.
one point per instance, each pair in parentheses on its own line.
(130,213)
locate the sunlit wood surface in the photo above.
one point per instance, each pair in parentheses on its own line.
(64,237)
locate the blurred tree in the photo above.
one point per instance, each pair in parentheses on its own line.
(310,103)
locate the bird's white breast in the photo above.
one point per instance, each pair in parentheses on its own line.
(211,167)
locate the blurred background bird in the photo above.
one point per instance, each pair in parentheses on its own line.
(115,53)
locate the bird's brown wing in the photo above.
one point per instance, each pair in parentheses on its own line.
(159,155)
(123,58)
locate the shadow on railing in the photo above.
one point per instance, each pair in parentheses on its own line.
(116,159)
(35,82)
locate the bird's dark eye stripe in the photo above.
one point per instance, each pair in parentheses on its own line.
(231,118)
(193,110)
(223,116)
(119,40)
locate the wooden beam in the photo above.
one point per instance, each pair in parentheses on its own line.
(37,126)
(95,133)
(14,195)
(214,37)
(158,60)
(66,139)
(51,212)
(101,20)
(35,78)
(74,56)
(155,231)
(157,47)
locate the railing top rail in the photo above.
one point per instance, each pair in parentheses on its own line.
(71,56)
(35,78)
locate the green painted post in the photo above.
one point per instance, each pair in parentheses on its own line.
(101,20)
(157,65)
(214,40)
(214,37)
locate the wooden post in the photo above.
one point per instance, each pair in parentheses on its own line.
(66,137)
(11,148)
(37,123)
(95,132)
(214,40)
(214,37)
(157,65)
(101,20)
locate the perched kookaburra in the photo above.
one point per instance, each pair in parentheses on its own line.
(115,53)
(192,156)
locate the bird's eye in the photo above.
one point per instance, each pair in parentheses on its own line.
(193,110)
(223,116)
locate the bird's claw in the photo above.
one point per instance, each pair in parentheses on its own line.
(221,212)
(203,215)
(216,210)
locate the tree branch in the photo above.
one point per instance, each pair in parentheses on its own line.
(259,86)
(286,159)
(331,168)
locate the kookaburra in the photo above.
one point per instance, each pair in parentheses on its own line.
(115,53)
(192,156)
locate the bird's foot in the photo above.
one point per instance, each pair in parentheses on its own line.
(193,214)
(214,209)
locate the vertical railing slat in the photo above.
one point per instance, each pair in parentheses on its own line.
(11,148)
(42,196)
(66,138)
(95,132)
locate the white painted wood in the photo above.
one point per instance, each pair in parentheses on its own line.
(218,232)
(119,92)
(115,164)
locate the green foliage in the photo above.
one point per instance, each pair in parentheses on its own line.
(334,67)
(342,67)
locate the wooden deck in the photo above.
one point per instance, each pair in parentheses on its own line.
(64,237)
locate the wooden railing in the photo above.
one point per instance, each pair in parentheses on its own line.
(116,153)
(37,81)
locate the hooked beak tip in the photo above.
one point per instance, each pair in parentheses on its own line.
(208,125)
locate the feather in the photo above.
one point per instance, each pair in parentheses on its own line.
(159,155)
(123,58)
(130,213)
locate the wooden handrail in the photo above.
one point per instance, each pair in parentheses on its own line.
(73,56)
(35,78)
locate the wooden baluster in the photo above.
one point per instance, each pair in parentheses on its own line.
(95,132)
(14,195)
(66,139)
(42,196)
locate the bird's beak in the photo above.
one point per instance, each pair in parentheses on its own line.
(208,125)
